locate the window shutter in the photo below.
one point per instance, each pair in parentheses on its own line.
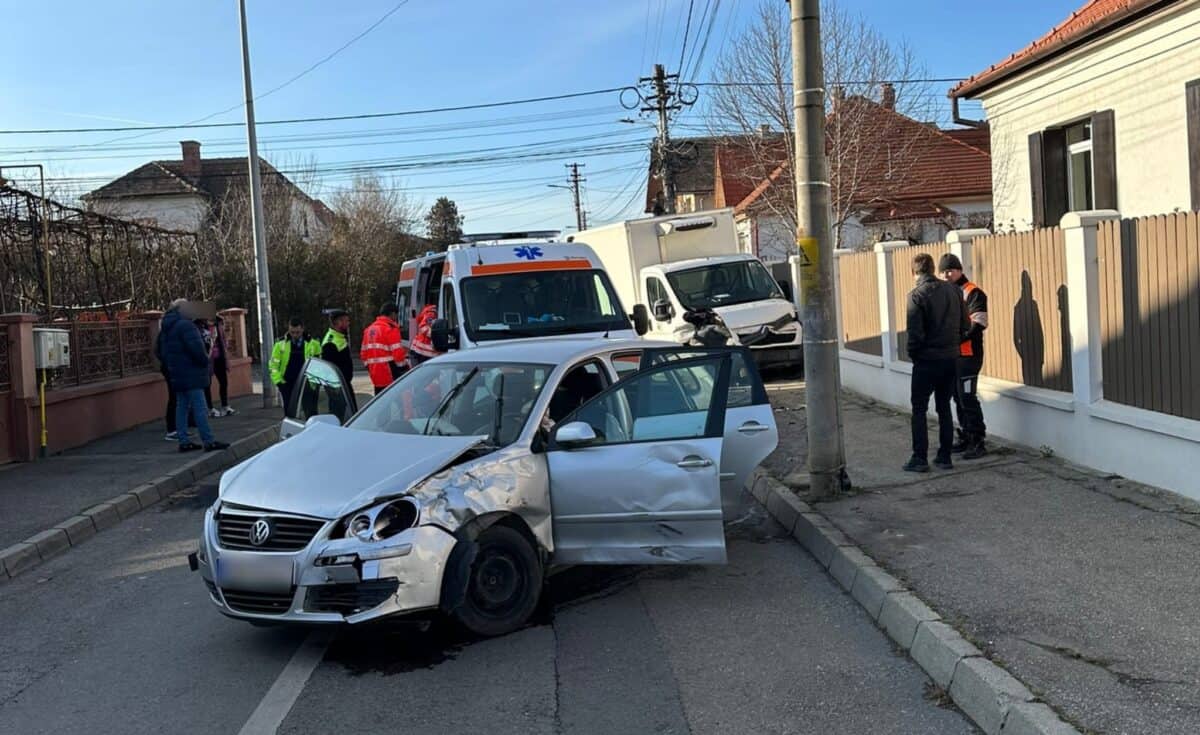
(1054,163)
(1036,177)
(1104,160)
(1193,132)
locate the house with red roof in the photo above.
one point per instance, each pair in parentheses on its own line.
(185,194)
(1101,112)
(891,177)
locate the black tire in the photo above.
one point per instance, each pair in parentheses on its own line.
(503,586)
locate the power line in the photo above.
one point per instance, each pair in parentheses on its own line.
(686,30)
(330,118)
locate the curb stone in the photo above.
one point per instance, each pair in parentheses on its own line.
(21,557)
(990,696)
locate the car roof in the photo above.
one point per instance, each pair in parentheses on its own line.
(550,351)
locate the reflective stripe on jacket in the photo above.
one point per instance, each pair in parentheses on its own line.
(381,348)
(281,354)
(975,302)
(422,341)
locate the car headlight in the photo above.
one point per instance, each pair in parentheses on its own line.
(383,521)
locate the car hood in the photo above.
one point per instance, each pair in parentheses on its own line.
(328,471)
(740,317)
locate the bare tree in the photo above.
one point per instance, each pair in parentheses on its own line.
(869,152)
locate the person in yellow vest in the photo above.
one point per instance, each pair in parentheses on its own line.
(335,349)
(288,356)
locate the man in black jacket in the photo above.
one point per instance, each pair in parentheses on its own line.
(937,324)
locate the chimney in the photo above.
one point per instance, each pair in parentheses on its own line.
(887,95)
(191,157)
(764,130)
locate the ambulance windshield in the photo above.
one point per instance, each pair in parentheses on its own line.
(540,303)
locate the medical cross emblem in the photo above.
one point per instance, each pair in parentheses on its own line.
(528,252)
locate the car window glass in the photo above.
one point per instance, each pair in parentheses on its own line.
(741,379)
(660,405)
(322,391)
(626,363)
(577,387)
(449,310)
(458,399)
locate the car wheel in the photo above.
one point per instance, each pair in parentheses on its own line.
(504,584)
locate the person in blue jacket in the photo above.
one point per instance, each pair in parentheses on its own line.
(181,348)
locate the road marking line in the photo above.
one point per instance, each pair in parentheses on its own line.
(277,703)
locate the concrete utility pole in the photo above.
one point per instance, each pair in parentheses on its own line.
(665,101)
(814,240)
(580,215)
(262,278)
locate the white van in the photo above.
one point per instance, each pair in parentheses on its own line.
(512,289)
(680,263)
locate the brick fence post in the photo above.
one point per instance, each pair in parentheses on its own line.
(1083,301)
(23,422)
(236,318)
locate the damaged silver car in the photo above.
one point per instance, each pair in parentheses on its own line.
(463,483)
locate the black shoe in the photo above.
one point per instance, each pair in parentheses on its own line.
(215,446)
(943,463)
(962,445)
(916,464)
(189,447)
(975,451)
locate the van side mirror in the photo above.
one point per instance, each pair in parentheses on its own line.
(663,311)
(440,336)
(641,319)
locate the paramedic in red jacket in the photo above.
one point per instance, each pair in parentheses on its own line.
(382,351)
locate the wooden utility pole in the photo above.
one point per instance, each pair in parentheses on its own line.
(814,240)
(580,215)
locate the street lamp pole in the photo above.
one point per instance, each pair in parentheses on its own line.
(262,278)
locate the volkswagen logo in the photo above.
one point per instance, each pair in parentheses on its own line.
(260,532)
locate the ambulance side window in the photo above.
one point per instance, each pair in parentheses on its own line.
(403,297)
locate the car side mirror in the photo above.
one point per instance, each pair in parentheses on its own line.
(641,319)
(323,418)
(440,336)
(575,434)
(663,311)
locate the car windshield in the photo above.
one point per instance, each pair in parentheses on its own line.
(724,284)
(458,399)
(540,303)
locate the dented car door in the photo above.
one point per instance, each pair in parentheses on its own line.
(750,431)
(634,472)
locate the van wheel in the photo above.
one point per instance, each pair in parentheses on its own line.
(504,585)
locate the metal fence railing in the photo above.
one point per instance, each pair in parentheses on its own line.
(103,351)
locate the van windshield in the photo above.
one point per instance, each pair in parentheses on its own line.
(724,284)
(540,303)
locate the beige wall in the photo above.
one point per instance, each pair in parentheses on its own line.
(185,212)
(1139,72)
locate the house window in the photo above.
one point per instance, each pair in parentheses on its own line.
(1080,193)
(685,203)
(1073,168)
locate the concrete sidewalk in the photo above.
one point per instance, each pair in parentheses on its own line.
(1082,586)
(35,496)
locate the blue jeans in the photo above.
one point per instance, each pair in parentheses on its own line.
(193,400)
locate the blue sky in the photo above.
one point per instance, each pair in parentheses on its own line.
(128,62)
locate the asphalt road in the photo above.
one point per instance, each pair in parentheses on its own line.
(118,636)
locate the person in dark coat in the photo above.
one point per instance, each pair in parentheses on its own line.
(936,326)
(187,361)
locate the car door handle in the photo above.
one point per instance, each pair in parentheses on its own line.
(694,463)
(753,427)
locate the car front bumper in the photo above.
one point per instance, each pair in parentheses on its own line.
(402,574)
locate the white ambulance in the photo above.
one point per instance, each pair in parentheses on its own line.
(512,289)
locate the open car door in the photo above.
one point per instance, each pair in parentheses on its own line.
(634,471)
(750,432)
(320,391)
